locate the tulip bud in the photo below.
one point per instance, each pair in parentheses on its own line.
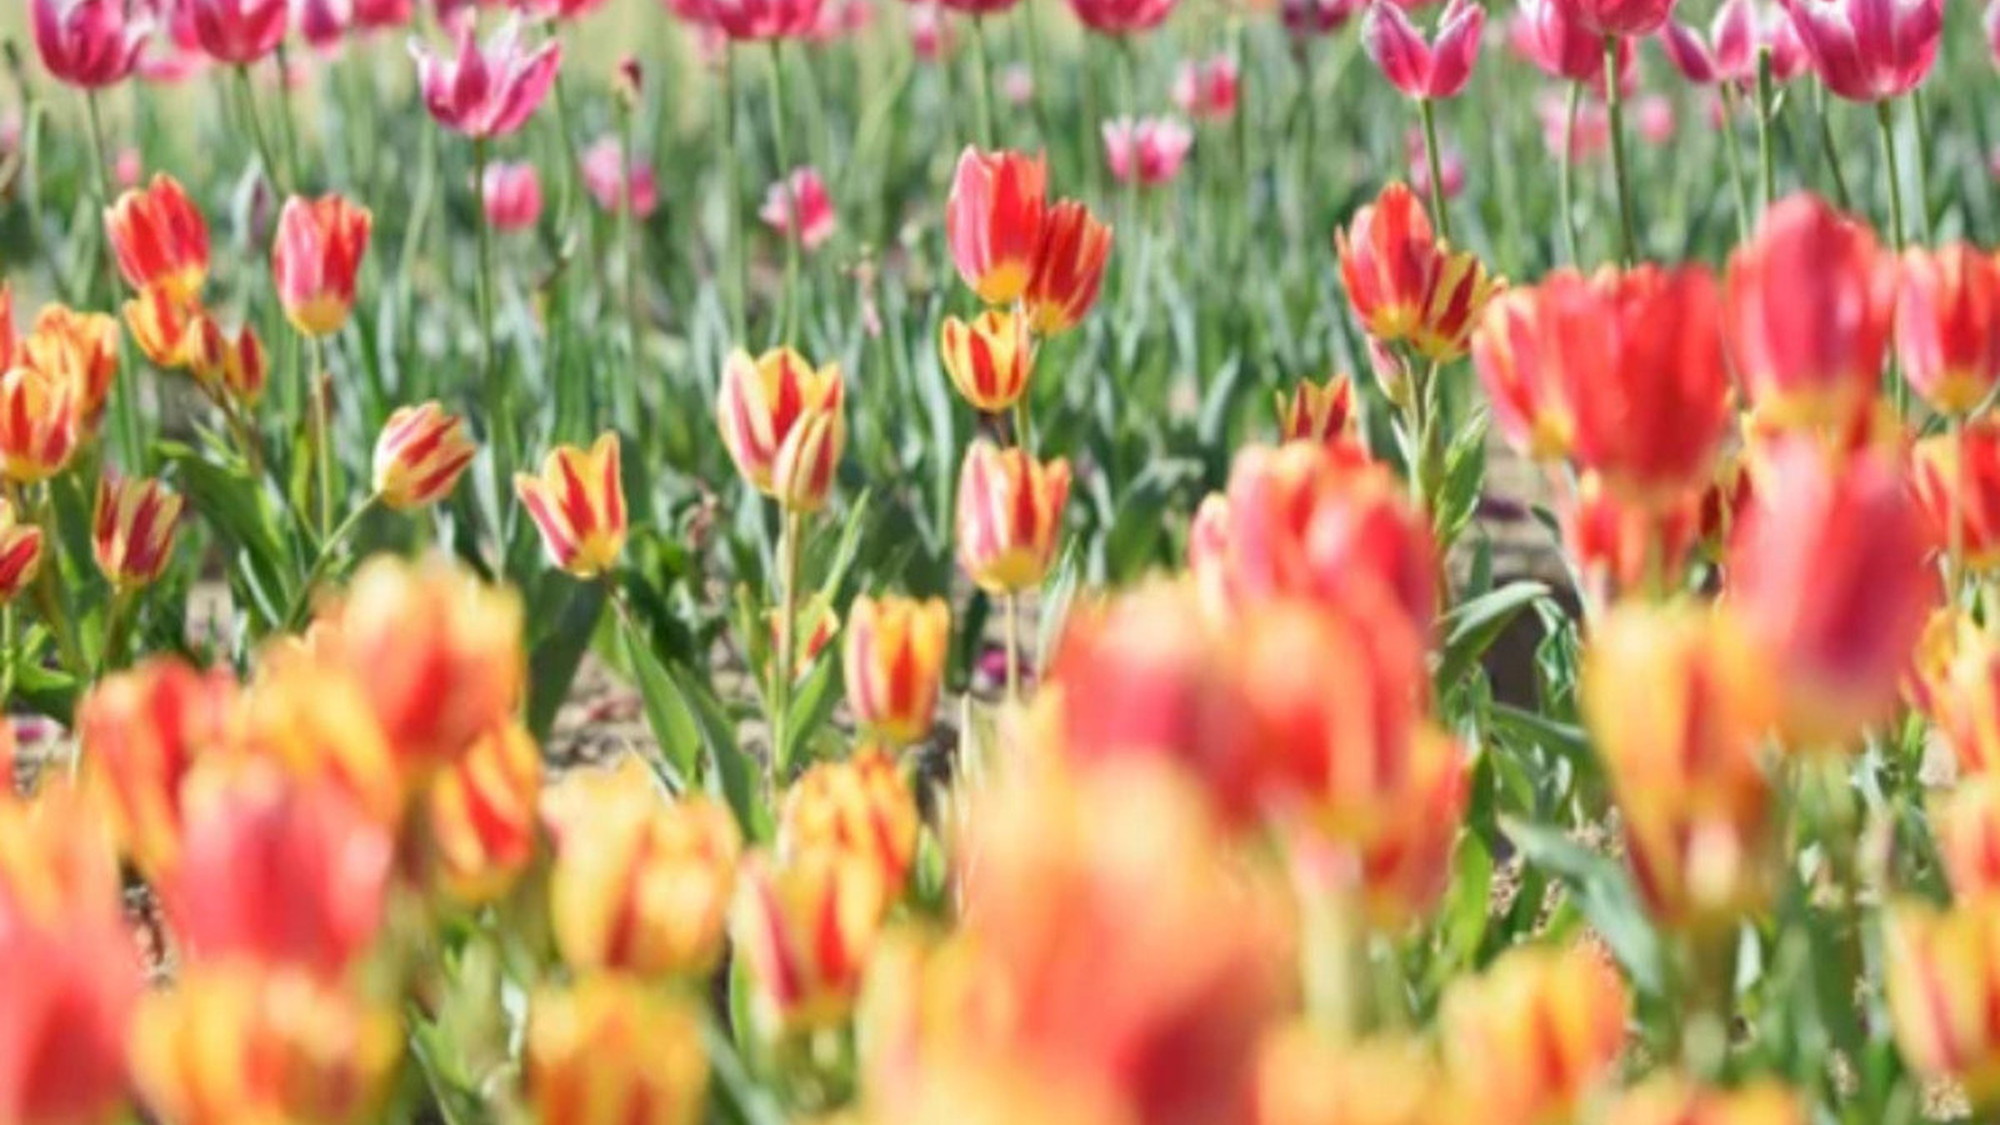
(799,207)
(317,261)
(231,369)
(990,359)
(861,806)
(993,221)
(141,733)
(420,456)
(762,404)
(1069,268)
(1537,1032)
(1943,984)
(578,503)
(133,530)
(20,553)
(512,196)
(630,83)
(894,662)
(39,424)
(608,1050)
(160,240)
(1323,413)
(817,623)
(480,811)
(164,328)
(1010,513)
(805,930)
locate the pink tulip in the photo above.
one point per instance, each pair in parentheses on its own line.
(1742,29)
(1593,126)
(1150,148)
(1868,50)
(1449,161)
(764,19)
(1121,17)
(487,91)
(804,191)
(839,19)
(1656,119)
(377,15)
(1306,18)
(325,22)
(1547,33)
(979,7)
(88,43)
(1207,91)
(930,32)
(512,194)
(1017,85)
(611,183)
(1620,17)
(1991,22)
(1439,69)
(559,9)
(126,168)
(238,32)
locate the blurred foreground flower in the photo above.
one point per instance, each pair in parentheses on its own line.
(805,926)
(1948,325)
(609,1050)
(141,733)
(1943,978)
(861,807)
(1537,1032)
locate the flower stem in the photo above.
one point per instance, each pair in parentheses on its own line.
(48,601)
(572,195)
(628,229)
(1829,150)
(322,435)
(1435,162)
(987,135)
(124,407)
(1734,159)
(788,612)
(117,628)
(485,240)
(789,302)
(1037,71)
(265,154)
(1014,649)
(295,616)
(1024,433)
(1928,224)
(739,267)
(1885,125)
(287,130)
(1614,106)
(1767,159)
(1566,174)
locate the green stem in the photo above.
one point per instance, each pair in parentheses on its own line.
(1566,174)
(1767,160)
(322,437)
(1014,649)
(628,225)
(733,202)
(124,407)
(572,181)
(1024,434)
(117,628)
(1129,61)
(48,600)
(790,529)
(1037,71)
(1614,106)
(1929,225)
(988,137)
(265,156)
(1829,150)
(789,303)
(1735,161)
(484,234)
(1435,162)
(287,129)
(295,616)
(1885,125)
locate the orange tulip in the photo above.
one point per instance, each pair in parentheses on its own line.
(20,553)
(1943,980)
(894,661)
(1010,514)
(1407,286)
(608,1050)
(246,1043)
(1675,1101)
(1319,412)
(990,359)
(762,408)
(165,329)
(480,812)
(1807,316)
(228,368)
(437,654)
(141,733)
(1828,571)
(861,806)
(1678,704)
(81,348)
(316,261)
(639,885)
(1306,1077)
(578,503)
(1964,697)
(420,456)
(805,929)
(40,424)
(1619,546)
(993,221)
(1965,490)
(1948,325)
(133,529)
(1069,268)
(1966,824)
(1535,1034)
(160,239)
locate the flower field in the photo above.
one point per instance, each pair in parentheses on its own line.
(1090,562)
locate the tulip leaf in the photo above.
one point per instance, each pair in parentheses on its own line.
(235,506)
(1472,627)
(1532,728)
(667,713)
(739,1098)
(559,650)
(849,546)
(1603,893)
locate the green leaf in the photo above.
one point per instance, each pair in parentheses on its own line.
(813,698)
(236,507)
(667,713)
(1605,895)
(1532,729)
(850,544)
(573,609)
(1472,627)
(741,1099)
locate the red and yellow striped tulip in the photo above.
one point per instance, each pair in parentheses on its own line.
(1323,413)
(79,347)
(861,806)
(480,813)
(421,454)
(1962,690)
(578,503)
(803,476)
(141,733)
(894,661)
(40,424)
(1537,1033)
(1948,325)
(160,239)
(764,402)
(993,221)
(1406,285)
(817,623)
(1307,1077)
(1622,547)
(229,368)
(1961,489)
(1529,392)
(1966,825)
(316,261)
(805,928)
(1943,981)
(312,717)
(1069,268)
(989,359)
(1010,514)
(133,529)
(1676,1101)
(610,1050)
(20,553)
(164,328)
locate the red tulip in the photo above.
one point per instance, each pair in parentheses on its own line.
(1967,489)
(512,196)
(803,193)
(160,239)
(1438,69)
(1948,325)
(238,32)
(1407,286)
(615,184)
(1069,268)
(1208,91)
(88,43)
(993,221)
(1121,17)
(1623,18)
(1149,150)
(763,19)
(1553,37)
(133,528)
(317,261)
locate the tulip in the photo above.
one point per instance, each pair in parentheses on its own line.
(979,7)
(578,503)
(1438,69)
(1146,150)
(1948,325)
(805,930)
(1944,993)
(1828,569)
(1966,824)
(133,530)
(89,44)
(437,654)
(802,478)
(1620,547)
(762,407)
(1742,31)
(1674,1101)
(1121,17)
(1554,36)
(323,23)
(316,260)
(894,656)
(312,717)
(238,32)
(141,733)
(1069,268)
(931,35)
(1536,1032)
(277,870)
(990,359)
(1407,286)
(1622,18)
(1868,50)
(1963,694)
(164,329)
(615,184)
(20,554)
(607,1050)
(39,424)
(160,239)
(245,1043)
(488,90)
(804,192)
(10,343)
(81,348)
(481,815)
(993,221)
(1306,18)
(512,196)
(639,885)
(817,623)
(1208,91)
(1323,413)
(231,369)
(1010,513)
(763,19)
(1956,481)
(861,807)
(561,9)
(420,456)
(1677,705)
(1307,1077)
(1208,555)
